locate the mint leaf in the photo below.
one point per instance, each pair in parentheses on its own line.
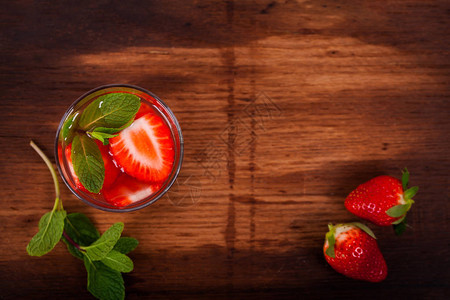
(113,130)
(101,136)
(411,192)
(405,179)
(80,229)
(108,130)
(51,227)
(111,110)
(101,247)
(103,282)
(126,244)
(88,163)
(118,261)
(398,210)
(69,126)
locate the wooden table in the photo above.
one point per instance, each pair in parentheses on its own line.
(285,107)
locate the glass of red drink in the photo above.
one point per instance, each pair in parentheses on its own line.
(141,161)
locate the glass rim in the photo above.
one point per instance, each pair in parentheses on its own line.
(173,118)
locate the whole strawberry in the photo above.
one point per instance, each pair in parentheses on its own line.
(351,249)
(383,200)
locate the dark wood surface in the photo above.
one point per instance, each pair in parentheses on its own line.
(285,107)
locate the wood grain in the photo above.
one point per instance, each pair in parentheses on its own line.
(285,107)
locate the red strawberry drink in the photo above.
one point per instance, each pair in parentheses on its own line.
(119,148)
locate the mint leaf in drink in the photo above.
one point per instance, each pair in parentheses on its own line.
(100,248)
(113,130)
(51,228)
(126,244)
(103,282)
(101,136)
(118,261)
(88,163)
(111,110)
(69,126)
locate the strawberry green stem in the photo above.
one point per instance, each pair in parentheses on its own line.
(58,203)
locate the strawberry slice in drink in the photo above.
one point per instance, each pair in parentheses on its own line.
(128,190)
(111,171)
(145,150)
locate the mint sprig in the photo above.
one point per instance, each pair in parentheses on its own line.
(104,256)
(51,224)
(102,119)
(88,163)
(78,231)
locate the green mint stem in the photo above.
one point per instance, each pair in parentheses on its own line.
(44,157)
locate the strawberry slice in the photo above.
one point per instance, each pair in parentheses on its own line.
(145,150)
(111,171)
(143,110)
(128,190)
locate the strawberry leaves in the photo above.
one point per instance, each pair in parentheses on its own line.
(411,192)
(400,210)
(405,178)
(331,240)
(364,228)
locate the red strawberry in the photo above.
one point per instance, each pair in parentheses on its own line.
(128,190)
(143,110)
(111,171)
(383,200)
(145,150)
(351,249)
